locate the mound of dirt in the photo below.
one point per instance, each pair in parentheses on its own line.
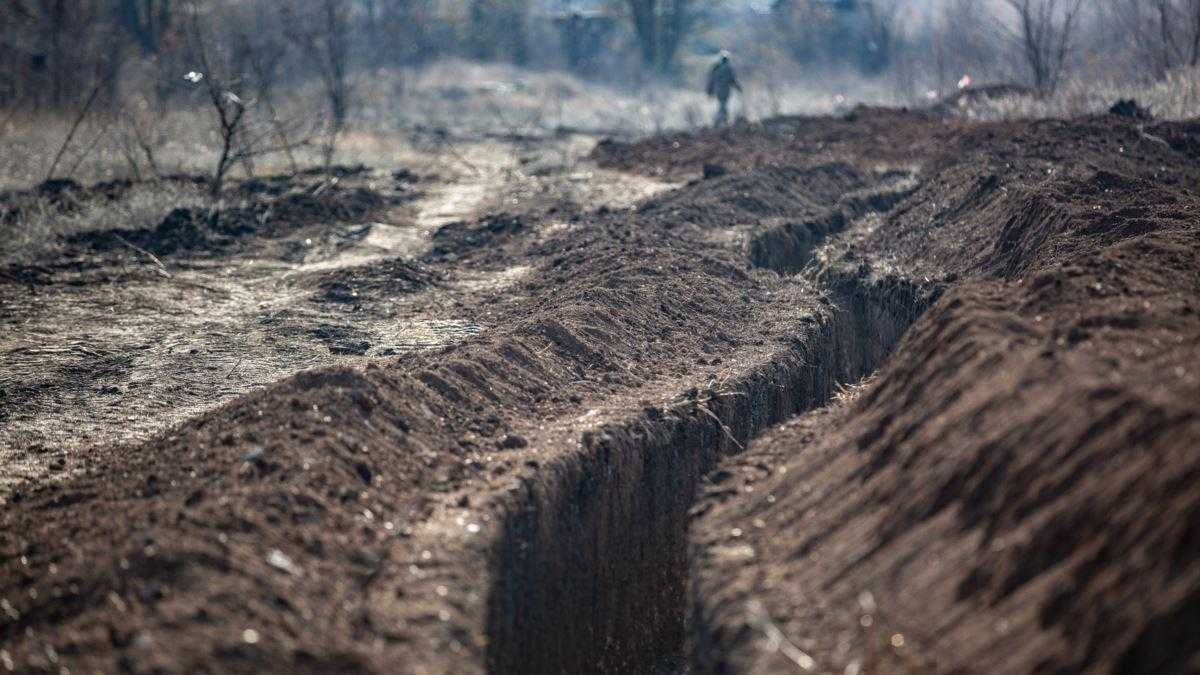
(1015,491)
(786,141)
(756,194)
(1129,107)
(60,194)
(485,237)
(198,231)
(337,171)
(378,281)
(975,94)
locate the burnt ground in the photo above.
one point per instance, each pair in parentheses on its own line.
(605,471)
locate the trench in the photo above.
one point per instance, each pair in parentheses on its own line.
(591,566)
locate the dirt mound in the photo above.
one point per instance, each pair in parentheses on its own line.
(191,231)
(58,194)
(786,141)
(1014,491)
(487,236)
(975,94)
(1053,187)
(756,194)
(1129,108)
(337,171)
(380,280)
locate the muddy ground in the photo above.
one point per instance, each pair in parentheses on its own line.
(879,393)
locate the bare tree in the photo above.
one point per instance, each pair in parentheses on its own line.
(74,128)
(1044,37)
(139,136)
(661,27)
(882,34)
(321,30)
(499,30)
(1165,34)
(147,21)
(264,58)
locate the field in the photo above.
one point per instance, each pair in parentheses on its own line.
(880,391)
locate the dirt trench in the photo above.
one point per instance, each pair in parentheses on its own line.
(994,488)
(357,519)
(541,497)
(592,563)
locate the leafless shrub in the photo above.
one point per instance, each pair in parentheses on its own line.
(228,107)
(229,99)
(140,138)
(264,58)
(74,128)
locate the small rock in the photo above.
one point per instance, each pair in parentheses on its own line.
(513,442)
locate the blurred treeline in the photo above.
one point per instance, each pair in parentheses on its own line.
(54,52)
(59,54)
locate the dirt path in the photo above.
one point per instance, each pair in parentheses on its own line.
(115,352)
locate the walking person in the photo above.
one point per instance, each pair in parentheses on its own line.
(722,80)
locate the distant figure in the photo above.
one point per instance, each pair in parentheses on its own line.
(721,83)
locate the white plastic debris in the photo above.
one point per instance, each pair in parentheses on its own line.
(280,561)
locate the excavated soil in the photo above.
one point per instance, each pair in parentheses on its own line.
(1016,490)
(606,472)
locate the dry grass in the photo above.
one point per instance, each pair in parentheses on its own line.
(1176,97)
(37,232)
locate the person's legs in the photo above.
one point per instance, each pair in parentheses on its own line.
(722,113)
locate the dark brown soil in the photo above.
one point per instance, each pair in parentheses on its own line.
(351,477)
(1013,492)
(214,231)
(60,194)
(384,280)
(866,137)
